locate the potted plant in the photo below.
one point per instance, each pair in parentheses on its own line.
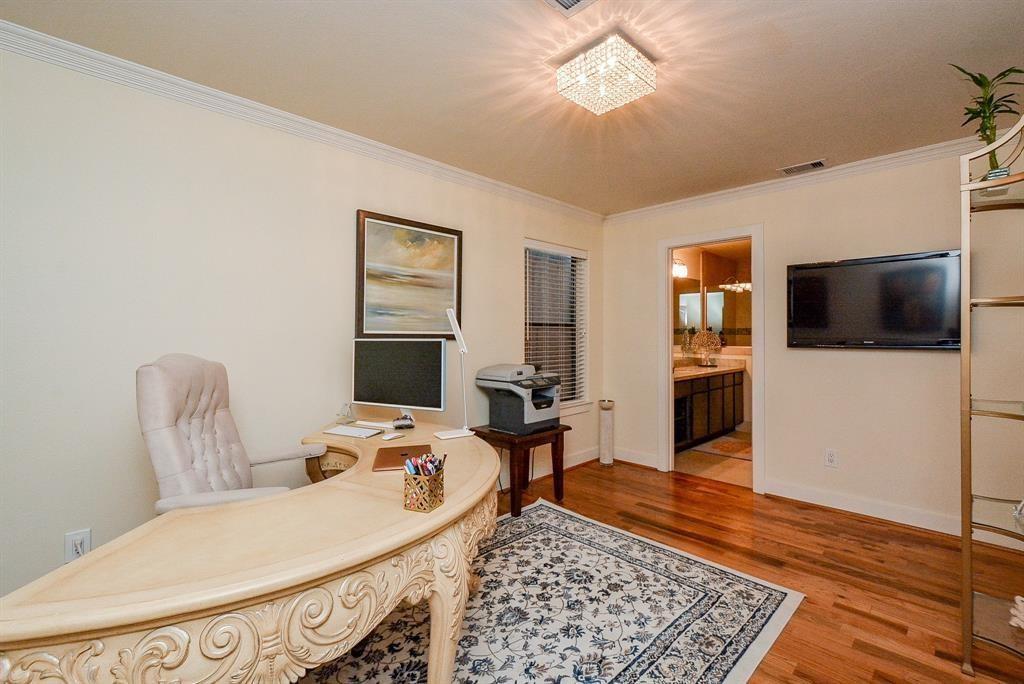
(987,106)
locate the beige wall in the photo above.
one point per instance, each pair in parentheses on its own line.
(998,356)
(892,415)
(134,225)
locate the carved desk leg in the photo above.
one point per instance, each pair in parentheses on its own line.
(479,525)
(454,551)
(447,606)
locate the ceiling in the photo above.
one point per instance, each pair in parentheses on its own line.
(744,86)
(737,251)
(734,250)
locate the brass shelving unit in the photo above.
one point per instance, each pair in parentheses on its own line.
(985,617)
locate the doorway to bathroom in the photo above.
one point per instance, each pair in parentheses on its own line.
(711,333)
(713,345)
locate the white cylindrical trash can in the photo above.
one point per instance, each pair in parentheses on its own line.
(606,440)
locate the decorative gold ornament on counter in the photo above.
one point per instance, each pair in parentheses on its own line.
(706,343)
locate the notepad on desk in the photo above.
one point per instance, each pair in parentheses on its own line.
(351,431)
(393,458)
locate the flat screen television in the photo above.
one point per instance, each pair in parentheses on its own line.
(907,301)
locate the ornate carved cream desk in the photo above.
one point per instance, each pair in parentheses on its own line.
(260,590)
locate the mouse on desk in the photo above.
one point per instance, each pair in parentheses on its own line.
(388,436)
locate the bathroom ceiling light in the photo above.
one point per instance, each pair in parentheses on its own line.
(679,269)
(607,76)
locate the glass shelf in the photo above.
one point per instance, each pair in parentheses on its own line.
(992,623)
(992,223)
(1016,300)
(996,205)
(997,408)
(995,183)
(996,515)
(998,198)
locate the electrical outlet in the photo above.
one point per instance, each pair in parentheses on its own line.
(77,544)
(831,458)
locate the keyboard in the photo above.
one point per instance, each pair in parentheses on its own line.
(452,434)
(389,425)
(350,431)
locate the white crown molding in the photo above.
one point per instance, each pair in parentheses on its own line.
(943,150)
(40,46)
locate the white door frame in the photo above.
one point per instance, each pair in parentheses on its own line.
(665,386)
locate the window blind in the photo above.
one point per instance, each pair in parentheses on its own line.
(556,317)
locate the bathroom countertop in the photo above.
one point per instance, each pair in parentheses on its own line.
(691,372)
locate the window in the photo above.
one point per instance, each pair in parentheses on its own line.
(556,315)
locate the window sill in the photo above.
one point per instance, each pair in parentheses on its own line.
(573,408)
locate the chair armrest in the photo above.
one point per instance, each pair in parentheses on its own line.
(214,498)
(303,452)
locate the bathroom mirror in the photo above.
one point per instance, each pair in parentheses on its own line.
(716,293)
(688,307)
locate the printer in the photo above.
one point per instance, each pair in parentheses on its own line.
(522,400)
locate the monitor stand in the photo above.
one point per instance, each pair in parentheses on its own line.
(452,434)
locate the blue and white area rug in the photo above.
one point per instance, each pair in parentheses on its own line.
(566,599)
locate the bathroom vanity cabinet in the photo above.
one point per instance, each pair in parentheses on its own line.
(708,404)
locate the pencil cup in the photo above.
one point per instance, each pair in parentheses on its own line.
(424,493)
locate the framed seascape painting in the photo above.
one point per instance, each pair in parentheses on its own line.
(407,274)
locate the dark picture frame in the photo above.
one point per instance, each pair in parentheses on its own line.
(407,274)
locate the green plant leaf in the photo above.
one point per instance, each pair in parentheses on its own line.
(972,76)
(1006,72)
(987,105)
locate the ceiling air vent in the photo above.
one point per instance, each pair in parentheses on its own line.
(567,8)
(802,168)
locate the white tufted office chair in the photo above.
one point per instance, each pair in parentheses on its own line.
(191,437)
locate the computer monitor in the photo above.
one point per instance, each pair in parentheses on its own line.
(403,373)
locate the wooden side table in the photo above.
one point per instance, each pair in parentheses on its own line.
(518,460)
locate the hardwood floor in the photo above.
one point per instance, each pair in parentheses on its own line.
(881,599)
(714,467)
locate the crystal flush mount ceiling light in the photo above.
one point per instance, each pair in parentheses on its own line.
(735,286)
(607,76)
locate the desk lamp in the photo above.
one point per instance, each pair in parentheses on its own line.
(464,431)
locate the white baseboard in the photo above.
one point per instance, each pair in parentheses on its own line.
(580,457)
(542,465)
(874,508)
(638,457)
